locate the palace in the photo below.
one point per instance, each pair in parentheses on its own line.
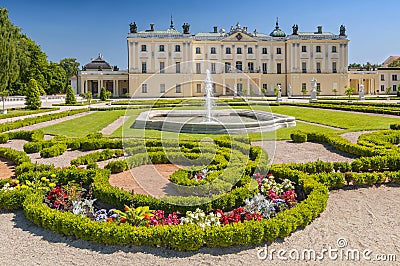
(171,63)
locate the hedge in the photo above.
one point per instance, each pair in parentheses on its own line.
(182,237)
(39,119)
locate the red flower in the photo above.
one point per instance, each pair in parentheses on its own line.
(110,219)
(123,219)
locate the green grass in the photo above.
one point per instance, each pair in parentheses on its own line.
(345,120)
(80,127)
(341,120)
(23,111)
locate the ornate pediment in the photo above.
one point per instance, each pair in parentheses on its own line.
(239,37)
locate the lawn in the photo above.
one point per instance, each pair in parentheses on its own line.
(84,125)
(341,120)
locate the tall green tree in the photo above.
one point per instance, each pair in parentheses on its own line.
(103,95)
(33,95)
(55,79)
(71,66)
(8,54)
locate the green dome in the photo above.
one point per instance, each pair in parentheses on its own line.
(277,32)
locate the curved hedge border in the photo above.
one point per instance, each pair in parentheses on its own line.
(183,237)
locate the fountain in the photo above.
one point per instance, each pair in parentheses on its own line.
(212,121)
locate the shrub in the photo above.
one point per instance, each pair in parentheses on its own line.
(32,147)
(117,166)
(298,137)
(70,97)
(395,126)
(4,138)
(33,95)
(54,150)
(103,95)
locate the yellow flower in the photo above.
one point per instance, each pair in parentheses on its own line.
(17,181)
(52,185)
(43,179)
(18,187)
(24,186)
(53,176)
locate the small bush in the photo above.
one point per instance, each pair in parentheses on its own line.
(32,147)
(4,138)
(299,137)
(54,150)
(117,166)
(395,126)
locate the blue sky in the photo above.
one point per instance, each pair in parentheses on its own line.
(82,29)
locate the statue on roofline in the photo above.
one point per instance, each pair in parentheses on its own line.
(133,27)
(295,29)
(342,30)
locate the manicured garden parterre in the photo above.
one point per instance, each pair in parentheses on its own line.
(229,195)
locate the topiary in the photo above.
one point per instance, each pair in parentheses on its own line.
(70,98)
(298,137)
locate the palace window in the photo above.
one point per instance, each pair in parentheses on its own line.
(318,49)
(239,65)
(213,50)
(334,49)
(382,77)
(178,67)
(279,50)
(144,48)
(250,66)
(265,88)
(162,48)
(318,67)
(304,49)
(304,67)
(228,50)
(239,50)
(264,68)
(198,50)
(144,88)
(334,69)
(394,77)
(144,67)
(213,71)
(198,88)
(198,68)
(227,67)
(394,87)
(177,48)
(178,88)
(162,67)
(162,88)
(382,87)
(279,68)
(304,86)
(318,87)
(214,86)
(264,50)
(250,50)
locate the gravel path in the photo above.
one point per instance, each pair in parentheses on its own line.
(63,160)
(291,152)
(353,136)
(108,130)
(354,215)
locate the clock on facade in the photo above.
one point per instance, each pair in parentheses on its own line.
(239,36)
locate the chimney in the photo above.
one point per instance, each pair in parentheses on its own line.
(152,27)
(215,29)
(319,30)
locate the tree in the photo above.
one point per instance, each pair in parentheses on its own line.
(388,90)
(33,95)
(8,54)
(348,91)
(395,63)
(335,91)
(304,91)
(70,98)
(71,66)
(103,94)
(88,96)
(55,78)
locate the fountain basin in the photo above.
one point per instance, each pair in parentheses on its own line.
(223,121)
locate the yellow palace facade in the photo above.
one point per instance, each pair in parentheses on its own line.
(173,63)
